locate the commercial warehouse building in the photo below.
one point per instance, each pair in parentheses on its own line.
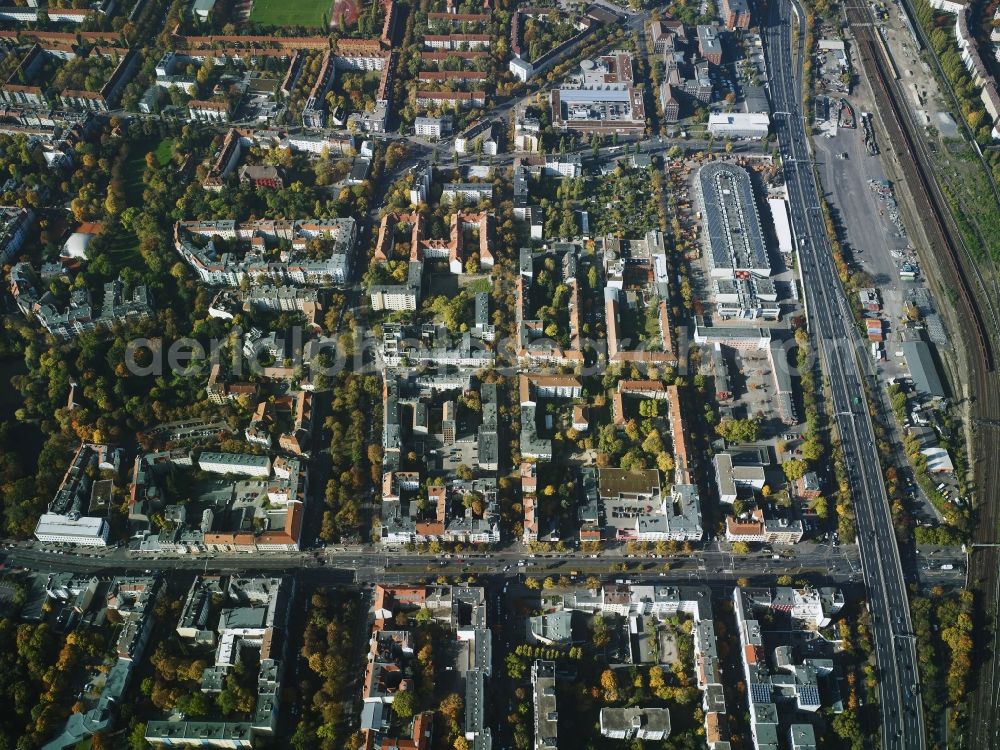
(739,124)
(923,370)
(599,110)
(736,242)
(602,99)
(782,228)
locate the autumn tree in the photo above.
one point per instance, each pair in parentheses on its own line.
(738,430)
(794,468)
(404,705)
(452,706)
(609,683)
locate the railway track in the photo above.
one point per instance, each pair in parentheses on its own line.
(975,305)
(911,158)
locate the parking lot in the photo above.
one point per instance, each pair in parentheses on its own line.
(448,458)
(753,372)
(877,244)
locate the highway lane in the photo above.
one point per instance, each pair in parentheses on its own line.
(833,328)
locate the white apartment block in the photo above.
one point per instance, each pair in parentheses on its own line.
(72,529)
(396,297)
(432,127)
(235,463)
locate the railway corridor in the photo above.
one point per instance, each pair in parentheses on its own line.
(976,305)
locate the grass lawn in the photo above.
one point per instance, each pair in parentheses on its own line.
(164,150)
(479,285)
(136,165)
(290,12)
(123,249)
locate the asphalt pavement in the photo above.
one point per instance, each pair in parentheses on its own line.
(831,324)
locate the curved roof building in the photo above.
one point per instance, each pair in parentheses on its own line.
(735,238)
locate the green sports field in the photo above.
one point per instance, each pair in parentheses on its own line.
(289,12)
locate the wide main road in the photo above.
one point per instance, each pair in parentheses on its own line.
(833,328)
(838,564)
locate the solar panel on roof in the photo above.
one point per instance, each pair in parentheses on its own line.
(761,692)
(808,695)
(731,217)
